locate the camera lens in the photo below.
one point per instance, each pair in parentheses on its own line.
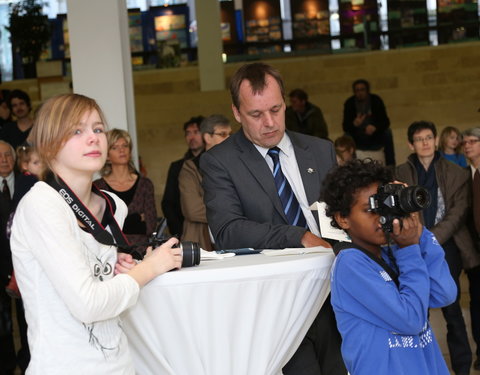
(191,254)
(422,198)
(414,198)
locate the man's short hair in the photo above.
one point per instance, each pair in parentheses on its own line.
(418,126)
(472,132)
(361,81)
(14,154)
(256,74)
(345,141)
(193,121)
(19,94)
(299,94)
(343,182)
(207,126)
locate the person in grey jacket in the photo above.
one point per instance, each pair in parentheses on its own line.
(449,188)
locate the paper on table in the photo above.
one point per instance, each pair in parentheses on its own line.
(297,251)
(324,222)
(209,255)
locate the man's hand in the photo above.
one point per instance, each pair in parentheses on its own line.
(359,119)
(370,129)
(310,240)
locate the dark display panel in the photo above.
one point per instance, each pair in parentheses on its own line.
(359,24)
(407,23)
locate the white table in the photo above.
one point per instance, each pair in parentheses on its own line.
(244,315)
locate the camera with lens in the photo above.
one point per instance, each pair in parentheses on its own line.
(190,250)
(396,201)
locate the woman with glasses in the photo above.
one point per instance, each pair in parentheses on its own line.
(446,217)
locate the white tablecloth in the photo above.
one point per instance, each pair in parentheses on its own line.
(244,315)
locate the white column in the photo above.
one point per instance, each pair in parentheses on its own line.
(101,63)
(210,47)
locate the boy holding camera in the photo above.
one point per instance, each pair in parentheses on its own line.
(381,295)
(449,188)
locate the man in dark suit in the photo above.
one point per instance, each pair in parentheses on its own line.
(244,194)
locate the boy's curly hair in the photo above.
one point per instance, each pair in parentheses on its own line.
(343,182)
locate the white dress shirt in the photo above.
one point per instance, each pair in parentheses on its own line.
(290,169)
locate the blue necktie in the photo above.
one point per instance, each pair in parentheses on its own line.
(292,209)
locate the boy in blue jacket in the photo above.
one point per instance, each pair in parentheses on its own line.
(380,297)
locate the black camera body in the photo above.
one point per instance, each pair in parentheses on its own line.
(396,201)
(190,250)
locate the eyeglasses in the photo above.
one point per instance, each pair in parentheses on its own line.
(470,142)
(221,134)
(428,138)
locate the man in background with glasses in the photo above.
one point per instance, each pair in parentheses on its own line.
(214,129)
(471,149)
(449,188)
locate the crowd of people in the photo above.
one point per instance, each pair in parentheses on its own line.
(70,279)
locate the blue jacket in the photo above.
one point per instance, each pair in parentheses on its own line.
(385,328)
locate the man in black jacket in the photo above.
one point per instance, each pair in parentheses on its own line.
(171,197)
(365,120)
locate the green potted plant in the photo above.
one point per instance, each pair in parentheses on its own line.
(30,33)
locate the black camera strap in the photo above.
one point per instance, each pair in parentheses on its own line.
(92,225)
(350,245)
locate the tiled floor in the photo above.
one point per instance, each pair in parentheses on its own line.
(439,325)
(436,319)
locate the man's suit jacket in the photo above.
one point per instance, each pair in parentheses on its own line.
(6,267)
(243,207)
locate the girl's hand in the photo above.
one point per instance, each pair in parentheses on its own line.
(165,257)
(125,263)
(409,232)
(157,261)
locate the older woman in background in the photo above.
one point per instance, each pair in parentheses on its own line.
(120,177)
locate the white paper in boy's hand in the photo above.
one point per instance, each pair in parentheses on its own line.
(326,229)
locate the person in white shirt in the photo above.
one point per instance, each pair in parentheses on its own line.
(73,286)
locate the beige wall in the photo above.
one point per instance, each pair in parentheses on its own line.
(440,84)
